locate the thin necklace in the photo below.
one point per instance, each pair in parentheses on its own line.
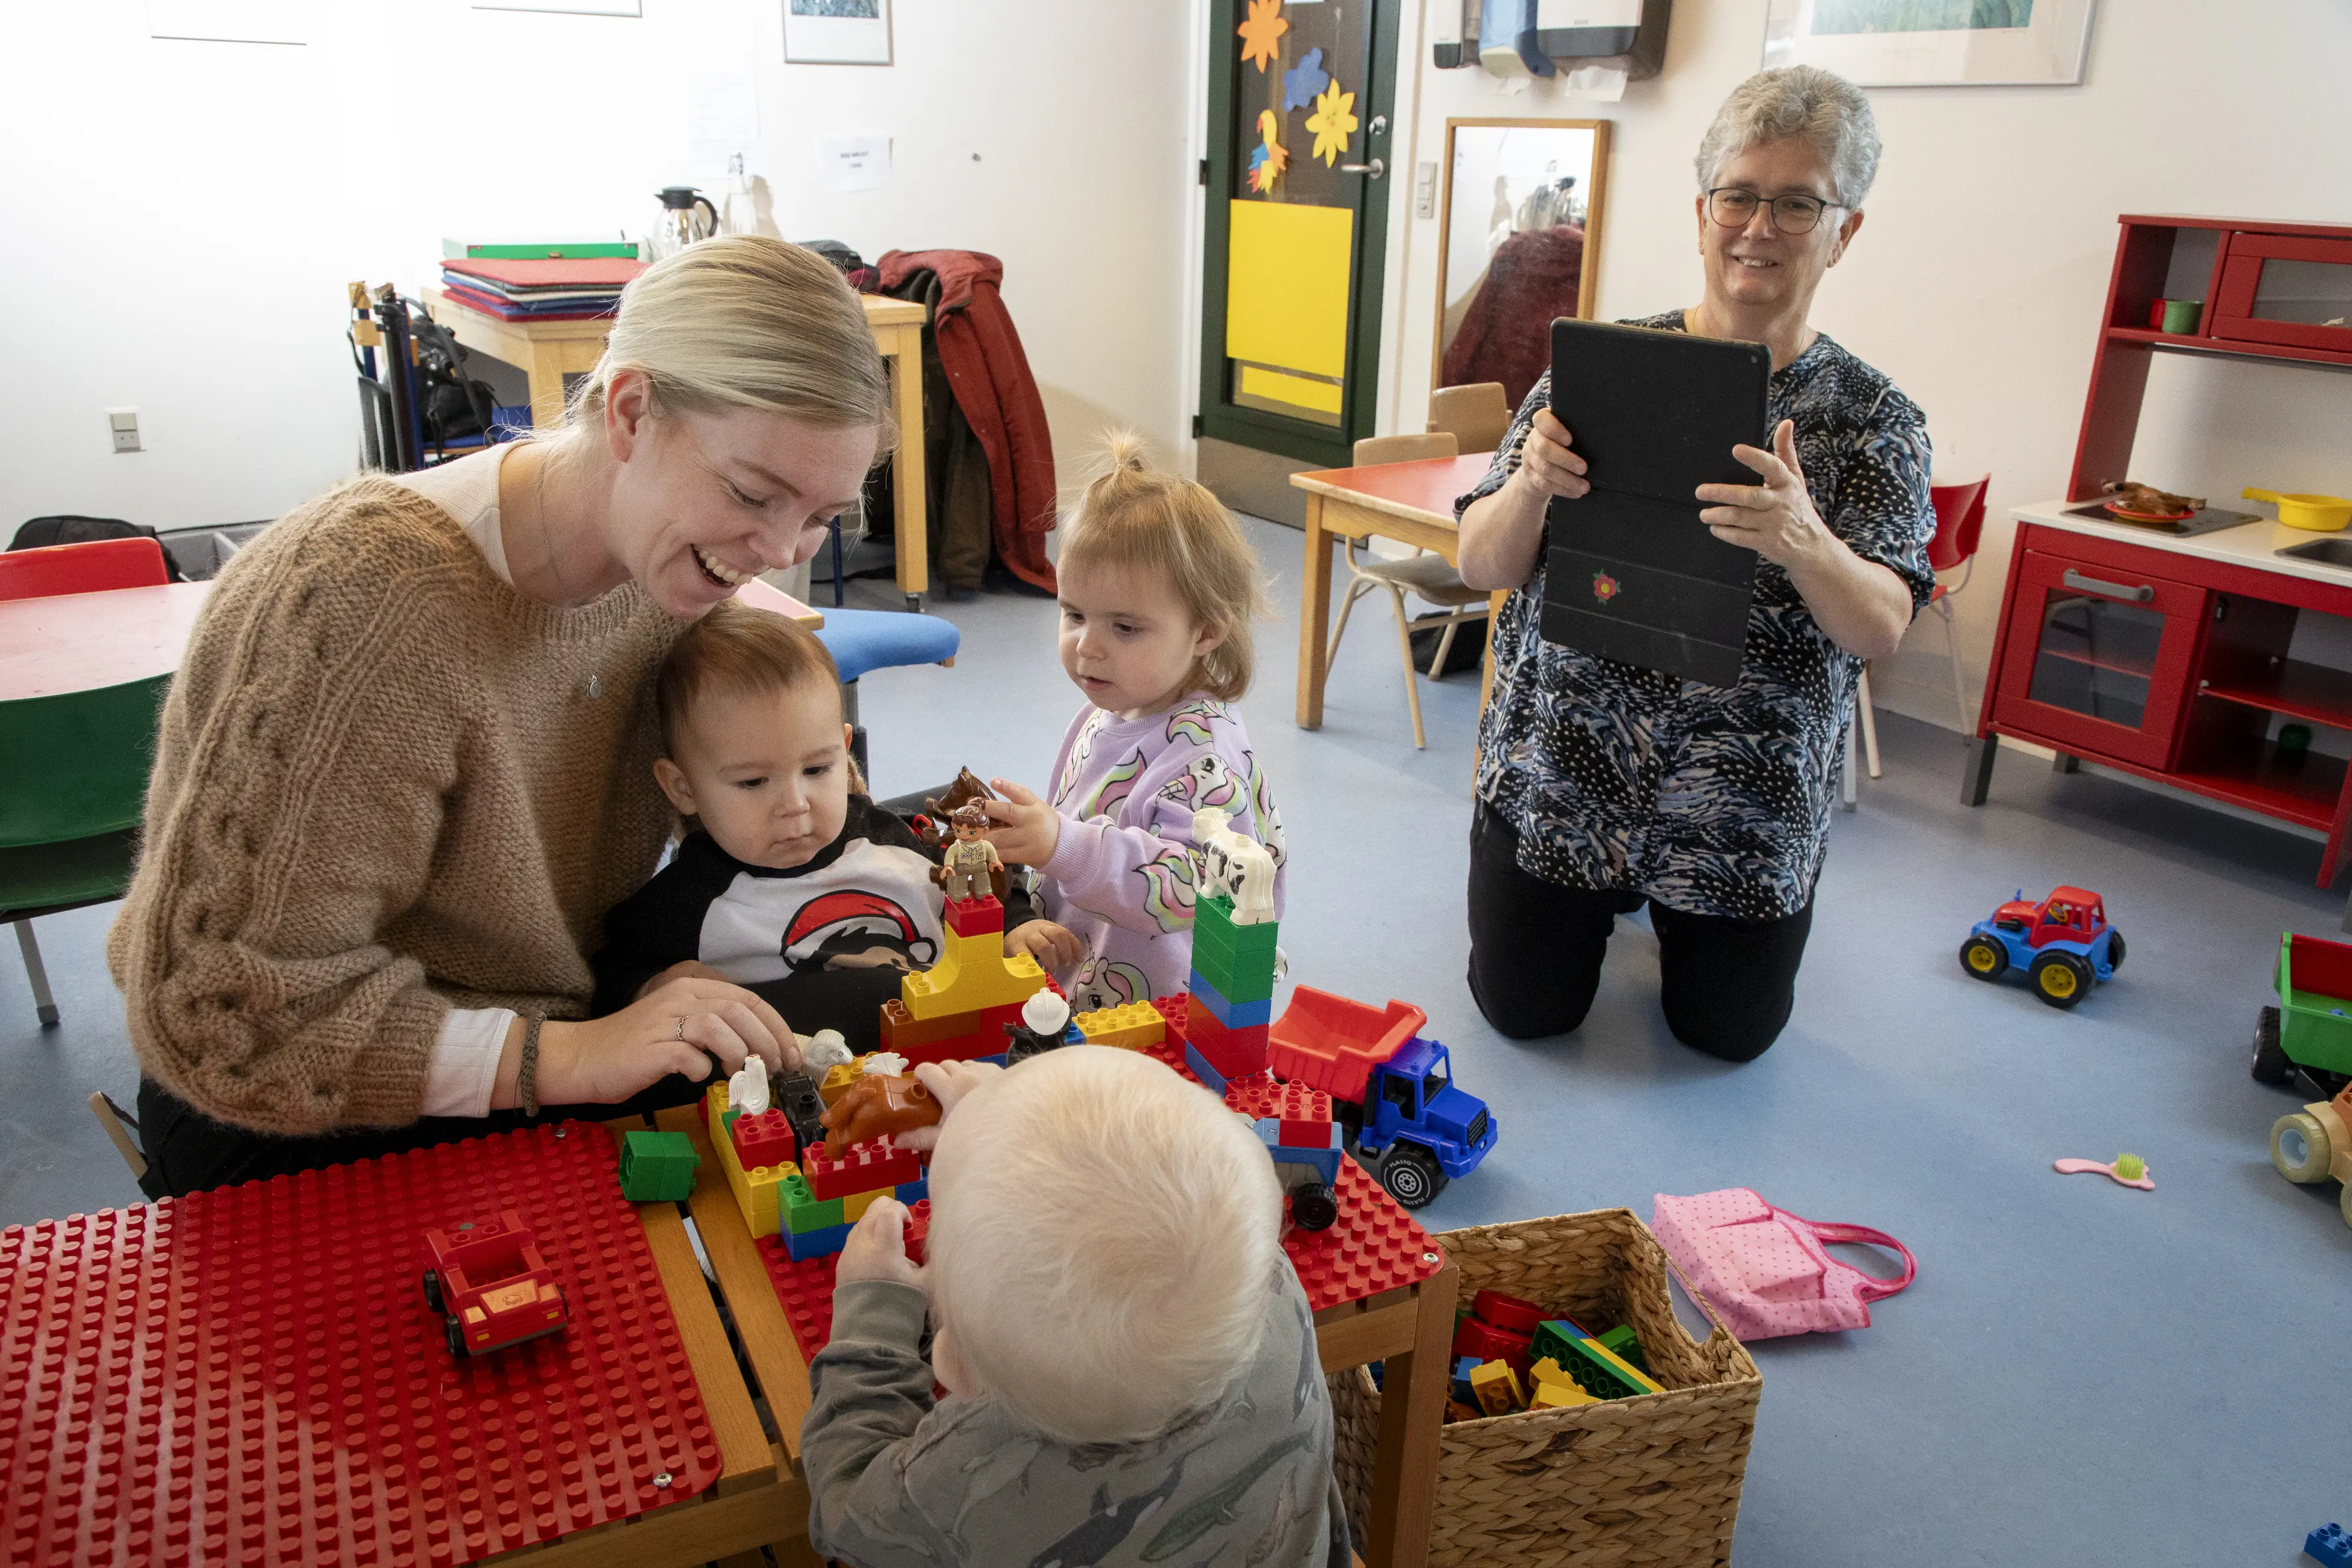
(554,564)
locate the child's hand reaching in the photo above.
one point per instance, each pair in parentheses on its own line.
(948,1083)
(1027,829)
(876,1248)
(1055,948)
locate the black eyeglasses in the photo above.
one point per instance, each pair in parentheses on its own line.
(1734,208)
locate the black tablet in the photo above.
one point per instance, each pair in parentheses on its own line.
(1633,575)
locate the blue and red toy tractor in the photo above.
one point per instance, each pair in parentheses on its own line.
(2064,943)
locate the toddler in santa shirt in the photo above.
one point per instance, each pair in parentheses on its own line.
(1158,590)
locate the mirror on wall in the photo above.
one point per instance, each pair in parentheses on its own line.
(1518,244)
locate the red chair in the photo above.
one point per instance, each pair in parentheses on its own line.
(88,568)
(1960,519)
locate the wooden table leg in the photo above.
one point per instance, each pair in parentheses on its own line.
(1314,617)
(1412,1410)
(544,375)
(909,513)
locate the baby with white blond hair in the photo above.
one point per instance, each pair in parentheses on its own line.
(1130,1365)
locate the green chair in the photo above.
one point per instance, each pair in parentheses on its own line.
(69,805)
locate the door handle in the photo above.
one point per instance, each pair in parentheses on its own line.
(1375,168)
(2139,594)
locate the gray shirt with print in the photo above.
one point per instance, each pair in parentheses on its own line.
(896,1479)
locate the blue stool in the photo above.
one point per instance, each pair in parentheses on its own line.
(861,640)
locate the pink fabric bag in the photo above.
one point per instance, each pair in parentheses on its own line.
(1765,1270)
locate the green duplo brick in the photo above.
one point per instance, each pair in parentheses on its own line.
(657,1167)
(1238,983)
(1212,922)
(803,1213)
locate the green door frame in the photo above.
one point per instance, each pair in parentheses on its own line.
(1360,392)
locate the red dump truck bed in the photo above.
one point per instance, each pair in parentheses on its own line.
(1330,1043)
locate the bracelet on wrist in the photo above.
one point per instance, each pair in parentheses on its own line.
(526,1069)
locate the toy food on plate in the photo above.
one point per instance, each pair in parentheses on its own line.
(2131,498)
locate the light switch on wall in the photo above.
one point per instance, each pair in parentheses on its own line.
(1425,190)
(123,425)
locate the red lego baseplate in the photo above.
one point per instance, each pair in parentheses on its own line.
(1375,1246)
(251,1376)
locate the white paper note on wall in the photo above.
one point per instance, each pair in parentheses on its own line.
(855,163)
(722,120)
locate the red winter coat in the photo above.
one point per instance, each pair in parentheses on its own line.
(981,353)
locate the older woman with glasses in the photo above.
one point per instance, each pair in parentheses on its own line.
(1603,786)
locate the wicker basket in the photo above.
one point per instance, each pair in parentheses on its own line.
(1626,1482)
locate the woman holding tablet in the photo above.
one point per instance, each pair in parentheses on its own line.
(407,764)
(1601,785)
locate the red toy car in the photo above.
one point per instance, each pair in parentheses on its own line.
(492,1286)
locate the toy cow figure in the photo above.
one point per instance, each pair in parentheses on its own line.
(1236,864)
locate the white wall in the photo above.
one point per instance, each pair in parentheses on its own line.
(183,217)
(1979,279)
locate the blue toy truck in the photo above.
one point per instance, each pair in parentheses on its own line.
(2064,943)
(1393,1090)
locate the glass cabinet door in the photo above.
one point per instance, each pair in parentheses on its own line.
(2099,657)
(2286,288)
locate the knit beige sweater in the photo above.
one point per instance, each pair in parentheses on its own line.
(382,790)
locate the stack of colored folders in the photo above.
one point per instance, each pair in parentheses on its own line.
(539,290)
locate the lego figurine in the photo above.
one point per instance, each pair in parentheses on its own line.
(1044,1024)
(747,1090)
(971,863)
(823,1050)
(876,1106)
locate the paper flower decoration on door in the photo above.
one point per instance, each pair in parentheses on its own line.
(1333,122)
(1262,34)
(1269,158)
(1302,81)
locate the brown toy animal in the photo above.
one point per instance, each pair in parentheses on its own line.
(936,827)
(876,1106)
(2132,496)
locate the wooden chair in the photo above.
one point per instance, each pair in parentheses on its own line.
(1476,416)
(1422,572)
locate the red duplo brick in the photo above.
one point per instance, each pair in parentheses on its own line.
(250,1374)
(919,1230)
(763,1140)
(1488,1342)
(1176,1009)
(1297,1133)
(975,917)
(1509,1314)
(1236,1053)
(862,1168)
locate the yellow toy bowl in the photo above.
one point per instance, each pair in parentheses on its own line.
(2321,514)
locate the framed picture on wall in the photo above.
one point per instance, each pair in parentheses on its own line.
(1933,43)
(838,32)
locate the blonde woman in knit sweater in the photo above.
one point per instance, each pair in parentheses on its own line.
(407,763)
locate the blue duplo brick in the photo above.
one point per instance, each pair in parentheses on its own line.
(1231,1014)
(806,1244)
(1211,1079)
(914,1192)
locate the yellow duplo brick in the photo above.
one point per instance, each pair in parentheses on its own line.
(1555,1387)
(755,1190)
(853,1208)
(838,1079)
(972,974)
(1497,1388)
(1131,1027)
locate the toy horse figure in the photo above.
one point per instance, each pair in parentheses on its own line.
(1235,865)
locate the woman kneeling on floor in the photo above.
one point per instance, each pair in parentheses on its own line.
(1601,785)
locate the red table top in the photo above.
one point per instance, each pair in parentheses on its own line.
(80,642)
(1375,1246)
(251,1376)
(1427,485)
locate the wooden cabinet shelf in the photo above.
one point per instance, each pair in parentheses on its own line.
(2299,691)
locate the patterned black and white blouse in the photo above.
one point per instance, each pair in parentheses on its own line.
(1711,800)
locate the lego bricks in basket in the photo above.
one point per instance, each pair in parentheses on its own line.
(1766,1271)
(1651,1481)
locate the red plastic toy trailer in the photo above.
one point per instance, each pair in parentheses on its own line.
(493,1285)
(1330,1043)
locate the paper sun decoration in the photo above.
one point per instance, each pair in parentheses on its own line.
(1268,158)
(1261,35)
(1333,123)
(1302,81)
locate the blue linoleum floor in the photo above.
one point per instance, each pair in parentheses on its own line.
(2082,1376)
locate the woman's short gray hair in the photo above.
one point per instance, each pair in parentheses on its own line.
(1806,102)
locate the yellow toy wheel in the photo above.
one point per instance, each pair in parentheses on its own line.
(2061,978)
(2299,1147)
(1984,958)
